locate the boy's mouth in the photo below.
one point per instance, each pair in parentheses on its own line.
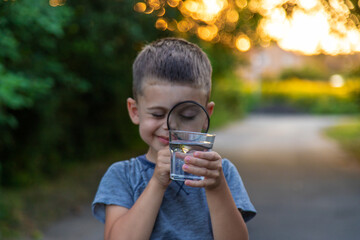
(164,140)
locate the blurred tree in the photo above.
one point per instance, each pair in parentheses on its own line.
(65,74)
(29,69)
(28,30)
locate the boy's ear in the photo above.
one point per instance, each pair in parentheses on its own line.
(133,110)
(210,108)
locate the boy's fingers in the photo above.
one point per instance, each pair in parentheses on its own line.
(164,152)
(201,171)
(212,165)
(164,155)
(203,183)
(211,156)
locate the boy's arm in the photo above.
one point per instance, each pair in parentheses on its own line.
(227,221)
(138,221)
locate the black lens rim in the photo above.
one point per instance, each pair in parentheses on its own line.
(188,101)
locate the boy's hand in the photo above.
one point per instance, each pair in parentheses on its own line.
(162,168)
(206,164)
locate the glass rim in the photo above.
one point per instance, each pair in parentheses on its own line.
(197,133)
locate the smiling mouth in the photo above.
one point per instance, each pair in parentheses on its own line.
(164,139)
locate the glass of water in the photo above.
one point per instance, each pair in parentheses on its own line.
(185,143)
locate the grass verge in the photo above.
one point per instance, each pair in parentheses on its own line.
(348,135)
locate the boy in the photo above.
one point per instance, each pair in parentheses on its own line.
(136,199)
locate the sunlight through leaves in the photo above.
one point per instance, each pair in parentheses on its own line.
(306,26)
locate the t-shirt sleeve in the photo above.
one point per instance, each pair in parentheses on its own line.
(114,189)
(238,191)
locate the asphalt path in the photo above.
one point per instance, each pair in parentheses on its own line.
(303,185)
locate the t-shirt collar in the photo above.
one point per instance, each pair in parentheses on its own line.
(145,161)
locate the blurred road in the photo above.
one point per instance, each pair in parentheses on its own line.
(81,227)
(302,184)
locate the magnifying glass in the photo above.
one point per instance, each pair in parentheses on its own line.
(188,116)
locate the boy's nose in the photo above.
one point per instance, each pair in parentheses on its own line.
(164,124)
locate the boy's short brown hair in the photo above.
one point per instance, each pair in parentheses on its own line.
(174,61)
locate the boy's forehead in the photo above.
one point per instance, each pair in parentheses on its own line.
(159,93)
(154,82)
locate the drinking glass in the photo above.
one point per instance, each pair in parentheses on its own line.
(185,143)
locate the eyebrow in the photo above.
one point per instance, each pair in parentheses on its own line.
(157,108)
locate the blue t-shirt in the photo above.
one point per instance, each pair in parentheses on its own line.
(184,212)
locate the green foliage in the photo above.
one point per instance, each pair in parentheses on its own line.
(65,75)
(32,77)
(348,135)
(315,104)
(17,92)
(306,72)
(355,96)
(28,69)
(230,102)
(23,61)
(10,215)
(354,72)
(307,96)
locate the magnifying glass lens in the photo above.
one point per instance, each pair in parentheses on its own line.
(188,116)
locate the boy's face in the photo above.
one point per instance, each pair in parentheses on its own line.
(151,109)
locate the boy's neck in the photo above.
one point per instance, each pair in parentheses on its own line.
(151,155)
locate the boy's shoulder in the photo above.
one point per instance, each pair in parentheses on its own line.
(226,163)
(126,164)
(131,168)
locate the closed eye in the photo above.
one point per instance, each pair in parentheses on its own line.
(157,115)
(188,118)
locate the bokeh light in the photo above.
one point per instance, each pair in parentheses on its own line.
(140,7)
(306,26)
(337,81)
(243,43)
(310,26)
(161,24)
(207,33)
(241,3)
(57,3)
(173,3)
(210,20)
